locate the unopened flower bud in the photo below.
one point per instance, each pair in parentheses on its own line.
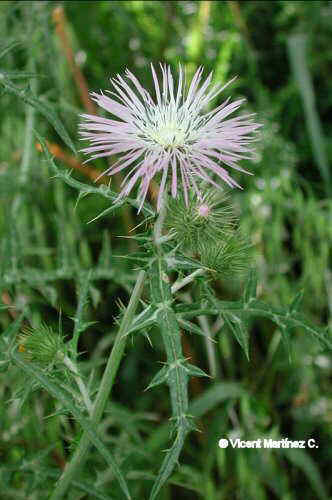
(41,345)
(229,257)
(208,220)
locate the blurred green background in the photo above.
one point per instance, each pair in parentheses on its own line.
(281,54)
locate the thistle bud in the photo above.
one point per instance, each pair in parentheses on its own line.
(229,258)
(41,345)
(207,220)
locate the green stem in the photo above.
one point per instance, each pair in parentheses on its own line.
(106,385)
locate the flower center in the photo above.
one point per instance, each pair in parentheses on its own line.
(169,135)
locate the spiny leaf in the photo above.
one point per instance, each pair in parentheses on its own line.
(86,189)
(169,462)
(107,211)
(34,372)
(177,376)
(282,317)
(239,330)
(194,371)
(43,107)
(159,378)
(144,320)
(163,374)
(191,327)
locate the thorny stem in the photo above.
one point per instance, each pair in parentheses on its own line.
(83,390)
(177,378)
(104,391)
(203,321)
(183,282)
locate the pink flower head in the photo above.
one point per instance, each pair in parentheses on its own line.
(173,134)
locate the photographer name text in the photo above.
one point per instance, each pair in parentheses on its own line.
(267,443)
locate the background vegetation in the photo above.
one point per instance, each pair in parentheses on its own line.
(53,261)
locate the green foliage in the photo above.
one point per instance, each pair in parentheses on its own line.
(53,264)
(59,394)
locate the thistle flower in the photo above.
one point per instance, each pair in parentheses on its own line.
(173,135)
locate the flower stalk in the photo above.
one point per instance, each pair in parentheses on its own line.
(105,388)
